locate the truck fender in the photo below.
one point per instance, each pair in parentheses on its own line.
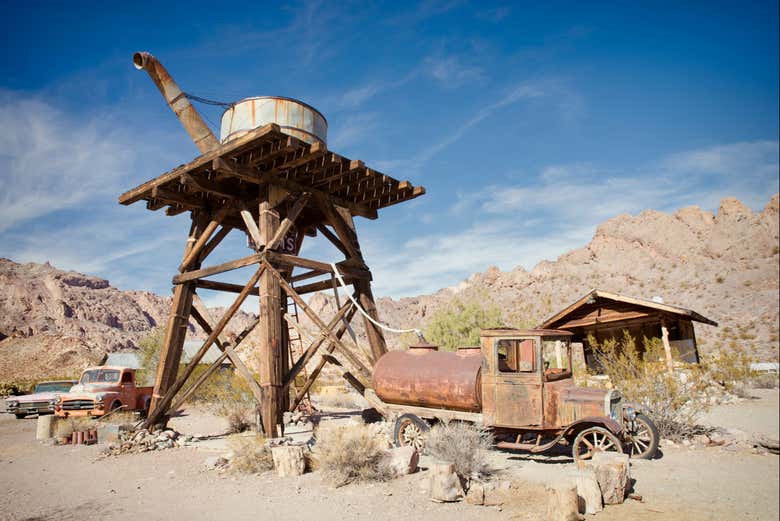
(608,423)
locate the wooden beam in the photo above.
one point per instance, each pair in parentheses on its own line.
(197,248)
(312,349)
(353,359)
(201,379)
(321,285)
(344,234)
(306,275)
(252,229)
(333,239)
(214,242)
(206,187)
(223,286)
(289,220)
(219,268)
(171,392)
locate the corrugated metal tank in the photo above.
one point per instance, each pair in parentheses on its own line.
(294,117)
(425,377)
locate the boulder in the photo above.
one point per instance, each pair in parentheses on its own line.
(445,485)
(289,460)
(612,471)
(476,494)
(562,502)
(403,460)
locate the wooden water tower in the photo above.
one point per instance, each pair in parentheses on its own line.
(272,178)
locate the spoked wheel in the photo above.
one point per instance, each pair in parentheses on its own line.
(641,437)
(410,430)
(593,440)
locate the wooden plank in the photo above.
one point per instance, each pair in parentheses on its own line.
(214,242)
(333,239)
(252,229)
(197,248)
(164,403)
(344,350)
(219,268)
(205,186)
(223,286)
(289,220)
(322,285)
(301,262)
(312,349)
(306,275)
(344,233)
(197,383)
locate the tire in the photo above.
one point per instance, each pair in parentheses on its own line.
(116,405)
(641,437)
(20,416)
(410,430)
(594,439)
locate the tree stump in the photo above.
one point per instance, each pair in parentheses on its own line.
(445,483)
(45,427)
(403,460)
(613,474)
(289,460)
(588,491)
(562,502)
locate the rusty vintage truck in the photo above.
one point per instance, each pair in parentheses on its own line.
(519,384)
(101,390)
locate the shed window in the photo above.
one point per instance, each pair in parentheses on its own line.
(516,356)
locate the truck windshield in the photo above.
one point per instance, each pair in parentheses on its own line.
(100,375)
(53,387)
(555,355)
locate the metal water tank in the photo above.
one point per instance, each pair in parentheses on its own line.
(294,117)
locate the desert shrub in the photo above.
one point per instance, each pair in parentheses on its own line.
(64,427)
(149,355)
(730,368)
(459,323)
(339,398)
(347,453)
(250,454)
(766,381)
(673,401)
(464,444)
(121,418)
(239,420)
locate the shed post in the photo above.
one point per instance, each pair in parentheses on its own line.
(667,347)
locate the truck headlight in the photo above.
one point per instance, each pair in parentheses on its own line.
(12,404)
(629,412)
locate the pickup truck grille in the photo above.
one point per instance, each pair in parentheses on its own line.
(78,405)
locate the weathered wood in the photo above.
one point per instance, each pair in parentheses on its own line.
(312,349)
(321,285)
(562,502)
(344,350)
(290,261)
(588,491)
(667,347)
(613,474)
(306,275)
(333,239)
(223,286)
(214,242)
(219,268)
(161,409)
(289,220)
(343,232)
(252,229)
(444,485)
(201,185)
(183,396)
(289,460)
(202,240)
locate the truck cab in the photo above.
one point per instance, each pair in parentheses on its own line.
(101,390)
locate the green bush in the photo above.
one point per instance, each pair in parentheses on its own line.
(459,323)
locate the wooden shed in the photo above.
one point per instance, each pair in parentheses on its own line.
(606,315)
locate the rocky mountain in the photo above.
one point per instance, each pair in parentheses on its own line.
(723,265)
(54,322)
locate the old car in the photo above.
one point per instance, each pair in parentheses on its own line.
(40,400)
(517,383)
(103,389)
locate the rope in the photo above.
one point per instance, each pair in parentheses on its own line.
(363,312)
(207,101)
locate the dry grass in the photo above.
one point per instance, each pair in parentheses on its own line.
(251,456)
(339,398)
(348,453)
(239,419)
(464,444)
(65,427)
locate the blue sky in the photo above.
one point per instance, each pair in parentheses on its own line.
(528,124)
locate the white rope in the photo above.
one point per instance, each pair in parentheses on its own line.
(363,312)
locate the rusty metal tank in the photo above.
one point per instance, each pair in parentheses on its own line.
(426,377)
(294,118)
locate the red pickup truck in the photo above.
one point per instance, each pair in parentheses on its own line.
(103,389)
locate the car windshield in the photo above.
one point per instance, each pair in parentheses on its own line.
(53,387)
(100,375)
(555,355)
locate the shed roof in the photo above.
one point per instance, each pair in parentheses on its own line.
(574,316)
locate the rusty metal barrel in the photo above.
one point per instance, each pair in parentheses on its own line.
(426,377)
(294,117)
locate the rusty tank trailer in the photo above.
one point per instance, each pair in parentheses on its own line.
(518,383)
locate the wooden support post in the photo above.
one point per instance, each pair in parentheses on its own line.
(176,328)
(667,347)
(272,353)
(165,401)
(252,229)
(321,364)
(196,250)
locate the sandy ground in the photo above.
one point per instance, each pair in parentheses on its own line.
(40,482)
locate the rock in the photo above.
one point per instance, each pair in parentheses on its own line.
(403,460)
(701,439)
(476,494)
(213,462)
(613,474)
(562,502)
(45,427)
(497,492)
(668,443)
(289,460)
(588,492)
(445,485)
(287,418)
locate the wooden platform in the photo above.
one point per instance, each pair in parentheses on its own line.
(227,178)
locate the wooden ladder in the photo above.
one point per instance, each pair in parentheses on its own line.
(295,343)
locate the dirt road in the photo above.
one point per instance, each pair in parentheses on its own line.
(47,482)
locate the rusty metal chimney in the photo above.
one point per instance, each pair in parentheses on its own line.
(194,125)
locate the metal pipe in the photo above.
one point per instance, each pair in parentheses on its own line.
(194,125)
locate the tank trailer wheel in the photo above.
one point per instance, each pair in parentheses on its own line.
(642,437)
(592,440)
(20,416)
(410,430)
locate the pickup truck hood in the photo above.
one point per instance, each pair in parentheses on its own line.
(92,388)
(34,397)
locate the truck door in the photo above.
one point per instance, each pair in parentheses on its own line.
(518,383)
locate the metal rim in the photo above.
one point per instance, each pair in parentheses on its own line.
(409,433)
(594,440)
(640,437)
(278,97)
